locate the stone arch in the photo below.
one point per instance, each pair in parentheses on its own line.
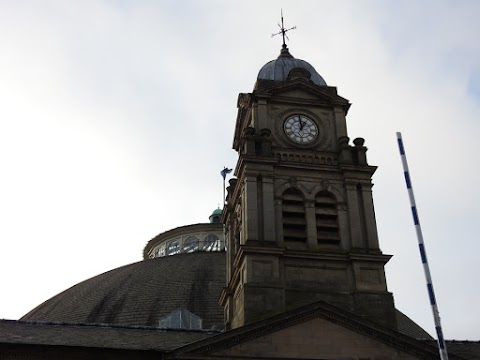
(333,189)
(292,183)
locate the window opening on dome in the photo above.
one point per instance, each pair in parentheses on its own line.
(211,243)
(187,245)
(173,247)
(190,245)
(161,251)
(181,319)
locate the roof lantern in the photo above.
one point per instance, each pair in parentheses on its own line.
(216,216)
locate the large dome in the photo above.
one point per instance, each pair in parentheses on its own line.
(144,292)
(280,68)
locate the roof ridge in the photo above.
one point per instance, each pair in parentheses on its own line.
(104,325)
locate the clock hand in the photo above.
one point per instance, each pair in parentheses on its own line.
(302,124)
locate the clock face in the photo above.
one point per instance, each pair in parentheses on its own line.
(300,129)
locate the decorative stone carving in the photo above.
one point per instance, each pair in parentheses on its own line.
(293,181)
(325,184)
(248,141)
(244,100)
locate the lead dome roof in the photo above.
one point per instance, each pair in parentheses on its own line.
(140,294)
(280,68)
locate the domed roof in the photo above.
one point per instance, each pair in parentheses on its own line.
(144,292)
(217,212)
(280,68)
(216,216)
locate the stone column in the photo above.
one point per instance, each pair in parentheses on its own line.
(262,120)
(343,227)
(311,224)
(232,236)
(340,122)
(250,221)
(268,209)
(278,221)
(370,222)
(355,219)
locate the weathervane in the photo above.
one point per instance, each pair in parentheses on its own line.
(283,31)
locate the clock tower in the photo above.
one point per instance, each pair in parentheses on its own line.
(299,217)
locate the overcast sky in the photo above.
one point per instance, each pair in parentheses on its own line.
(117,116)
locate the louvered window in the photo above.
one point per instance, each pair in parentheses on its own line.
(293,212)
(326,218)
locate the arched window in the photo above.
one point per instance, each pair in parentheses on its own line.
(173,247)
(211,243)
(161,250)
(190,245)
(293,216)
(326,218)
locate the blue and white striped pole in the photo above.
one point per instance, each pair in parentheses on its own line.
(423,254)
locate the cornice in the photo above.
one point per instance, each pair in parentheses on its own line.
(299,254)
(369,169)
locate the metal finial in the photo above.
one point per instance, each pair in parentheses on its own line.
(283,31)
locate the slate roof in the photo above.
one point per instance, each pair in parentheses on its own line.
(408,327)
(96,336)
(466,349)
(143,292)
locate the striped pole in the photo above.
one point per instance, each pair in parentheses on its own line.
(423,254)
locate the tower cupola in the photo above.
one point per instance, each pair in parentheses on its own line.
(216,216)
(286,67)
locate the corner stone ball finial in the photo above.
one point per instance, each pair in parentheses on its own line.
(343,141)
(359,142)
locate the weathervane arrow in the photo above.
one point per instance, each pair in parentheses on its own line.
(283,31)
